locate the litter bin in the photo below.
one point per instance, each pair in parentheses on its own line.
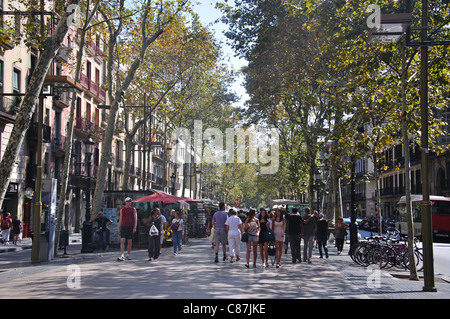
(63,240)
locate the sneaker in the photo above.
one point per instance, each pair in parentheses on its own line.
(216,260)
(121,258)
(150,259)
(128,258)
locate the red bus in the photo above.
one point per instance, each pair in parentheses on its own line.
(440,209)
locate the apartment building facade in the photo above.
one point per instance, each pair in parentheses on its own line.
(392,185)
(151,165)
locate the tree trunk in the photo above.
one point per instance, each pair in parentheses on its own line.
(107,142)
(28,105)
(69,137)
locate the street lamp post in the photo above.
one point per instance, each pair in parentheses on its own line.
(86,245)
(353,227)
(318,187)
(427,228)
(173,179)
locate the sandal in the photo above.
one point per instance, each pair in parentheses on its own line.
(246,265)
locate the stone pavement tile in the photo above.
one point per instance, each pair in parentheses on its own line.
(194,275)
(382,284)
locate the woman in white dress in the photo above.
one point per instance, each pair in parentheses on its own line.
(279,227)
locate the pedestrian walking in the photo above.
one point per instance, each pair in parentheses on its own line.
(235,231)
(309,232)
(16,229)
(263,242)
(6,225)
(279,228)
(253,229)
(102,228)
(294,231)
(177,226)
(154,243)
(220,232)
(126,228)
(163,230)
(340,233)
(322,235)
(286,235)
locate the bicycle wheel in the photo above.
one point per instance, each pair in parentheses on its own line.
(390,258)
(363,255)
(379,256)
(358,254)
(418,258)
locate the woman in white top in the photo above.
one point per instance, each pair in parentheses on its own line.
(177,235)
(234,229)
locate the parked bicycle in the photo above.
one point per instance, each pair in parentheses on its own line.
(387,252)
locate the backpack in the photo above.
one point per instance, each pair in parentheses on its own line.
(6,223)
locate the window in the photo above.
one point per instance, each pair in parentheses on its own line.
(97,76)
(88,111)
(97,117)
(46,165)
(16,81)
(88,69)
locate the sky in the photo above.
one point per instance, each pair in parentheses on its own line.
(208,15)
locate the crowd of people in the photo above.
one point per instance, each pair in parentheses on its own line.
(10,227)
(275,227)
(156,224)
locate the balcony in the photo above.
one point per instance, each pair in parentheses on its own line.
(93,89)
(95,51)
(32,133)
(88,127)
(84,81)
(63,54)
(78,174)
(80,169)
(59,145)
(8,109)
(62,82)
(61,100)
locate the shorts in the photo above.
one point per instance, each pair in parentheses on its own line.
(253,238)
(220,235)
(126,232)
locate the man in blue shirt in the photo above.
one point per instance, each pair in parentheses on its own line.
(220,232)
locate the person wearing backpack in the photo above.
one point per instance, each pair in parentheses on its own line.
(6,227)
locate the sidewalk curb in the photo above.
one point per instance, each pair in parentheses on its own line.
(27,243)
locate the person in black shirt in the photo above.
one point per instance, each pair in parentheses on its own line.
(322,235)
(102,227)
(294,230)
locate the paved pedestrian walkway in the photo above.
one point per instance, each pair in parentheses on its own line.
(194,275)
